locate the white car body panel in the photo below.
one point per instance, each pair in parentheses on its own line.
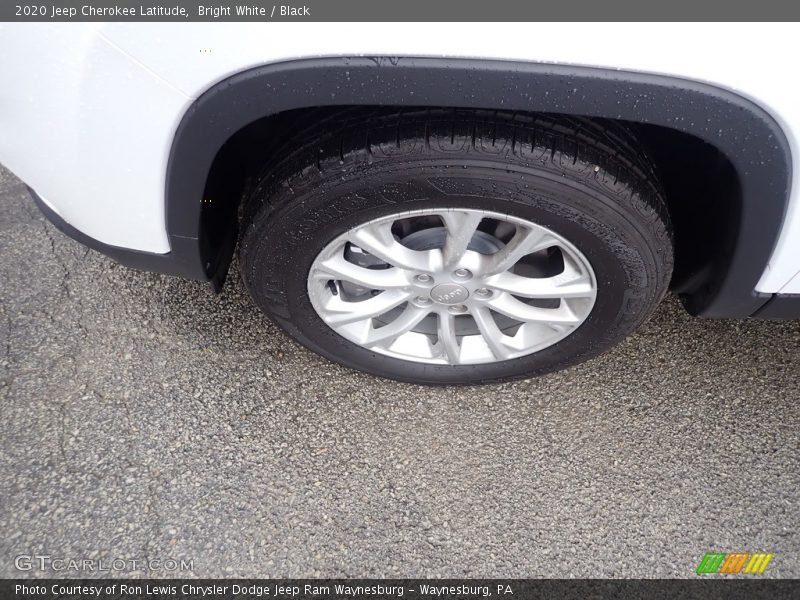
(93,133)
(103,101)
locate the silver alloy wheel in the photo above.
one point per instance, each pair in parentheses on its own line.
(452,286)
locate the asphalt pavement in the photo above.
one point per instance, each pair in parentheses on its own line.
(145,419)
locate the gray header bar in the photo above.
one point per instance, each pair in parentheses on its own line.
(400,10)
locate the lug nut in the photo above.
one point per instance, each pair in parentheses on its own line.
(422,300)
(483,292)
(462,273)
(458,309)
(423,278)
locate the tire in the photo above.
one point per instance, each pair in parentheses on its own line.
(586,182)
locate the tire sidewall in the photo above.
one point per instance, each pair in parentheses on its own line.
(279,248)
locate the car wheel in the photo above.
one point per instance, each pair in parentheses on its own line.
(447,247)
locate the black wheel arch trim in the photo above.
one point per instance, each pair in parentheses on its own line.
(744,132)
(779,307)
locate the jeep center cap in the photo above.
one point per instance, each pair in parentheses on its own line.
(449,293)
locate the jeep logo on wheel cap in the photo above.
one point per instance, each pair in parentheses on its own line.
(449,293)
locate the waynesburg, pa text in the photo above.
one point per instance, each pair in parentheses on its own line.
(250,590)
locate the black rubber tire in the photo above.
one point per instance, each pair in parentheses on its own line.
(587,180)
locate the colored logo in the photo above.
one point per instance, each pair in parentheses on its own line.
(735,562)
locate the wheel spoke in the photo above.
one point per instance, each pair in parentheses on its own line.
(340,312)
(379,241)
(565,285)
(387,334)
(337,267)
(525,241)
(461,226)
(448,342)
(491,333)
(509,306)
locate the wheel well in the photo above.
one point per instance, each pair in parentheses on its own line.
(757,179)
(702,188)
